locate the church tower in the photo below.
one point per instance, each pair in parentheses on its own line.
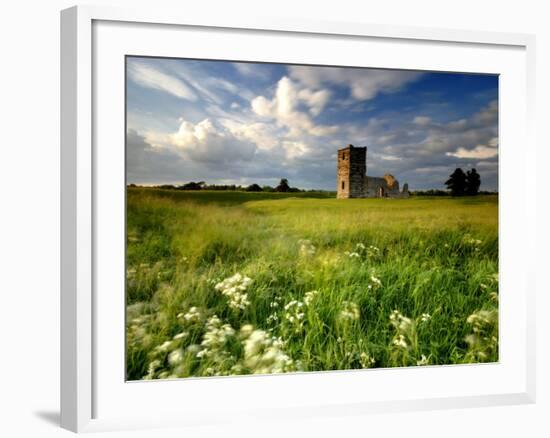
(352,171)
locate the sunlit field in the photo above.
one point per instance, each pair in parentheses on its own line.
(232,283)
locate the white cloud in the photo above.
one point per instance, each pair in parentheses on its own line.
(255,71)
(316,100)
(222,84)
(488,114)
(295,149)
(204,142)
(262,106)
(150,77)
(479,152)
(364,84)
(263,135)
(422,120)
(389,157)
(284,108)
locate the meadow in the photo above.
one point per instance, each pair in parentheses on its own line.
(231,283)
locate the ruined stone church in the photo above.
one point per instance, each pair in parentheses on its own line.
(353,181)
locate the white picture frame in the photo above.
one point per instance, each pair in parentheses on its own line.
(89,394)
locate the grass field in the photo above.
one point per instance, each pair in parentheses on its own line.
(222,283)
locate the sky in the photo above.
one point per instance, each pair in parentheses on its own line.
(241,123)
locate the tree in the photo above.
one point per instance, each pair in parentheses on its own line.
(193,186)
(254,188)
(473,181)
(283,186)
(457,183)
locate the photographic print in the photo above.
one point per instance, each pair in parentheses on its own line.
(298,218)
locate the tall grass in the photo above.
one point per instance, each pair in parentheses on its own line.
(323,284)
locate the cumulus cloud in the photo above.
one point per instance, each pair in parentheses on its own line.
(480,152)
(284,108)
(315,100)
(364,84)
(263,135)
(151,77)
(204,142)
(295,149)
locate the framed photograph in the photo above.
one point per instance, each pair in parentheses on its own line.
(292,218)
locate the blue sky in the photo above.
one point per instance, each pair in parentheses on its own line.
(242,123)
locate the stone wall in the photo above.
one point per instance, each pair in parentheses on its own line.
(353,182)
(385,187)
(352,170)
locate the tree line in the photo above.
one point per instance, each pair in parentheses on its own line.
(282,187)
(460,183)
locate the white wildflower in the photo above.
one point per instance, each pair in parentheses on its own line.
(366,360)
(164,347)
(483,342)
(180,336)
(373,251)
(400,322)
(400,341)
(482,319)
(423,361)
(234,288)
(175,357)
(306,247)
(350,311)
(151,369)
(425,317)
(310,296)
(214,339)
(193,348)
(246,330)
(469,240)
(263,354)
(374,282)
(192,315)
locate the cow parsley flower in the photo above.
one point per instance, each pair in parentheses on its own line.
(175,357)
(263,354)
(310,296)
(366,360)
(234,288)
(405,333)
(295,314)
(181,335)
(214,338)
(425,317)
(164,347)
(350,311)
(306,248)
(374,283)
(373,251)
(423,361)
(151,369)
(400,341)
(192,315)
